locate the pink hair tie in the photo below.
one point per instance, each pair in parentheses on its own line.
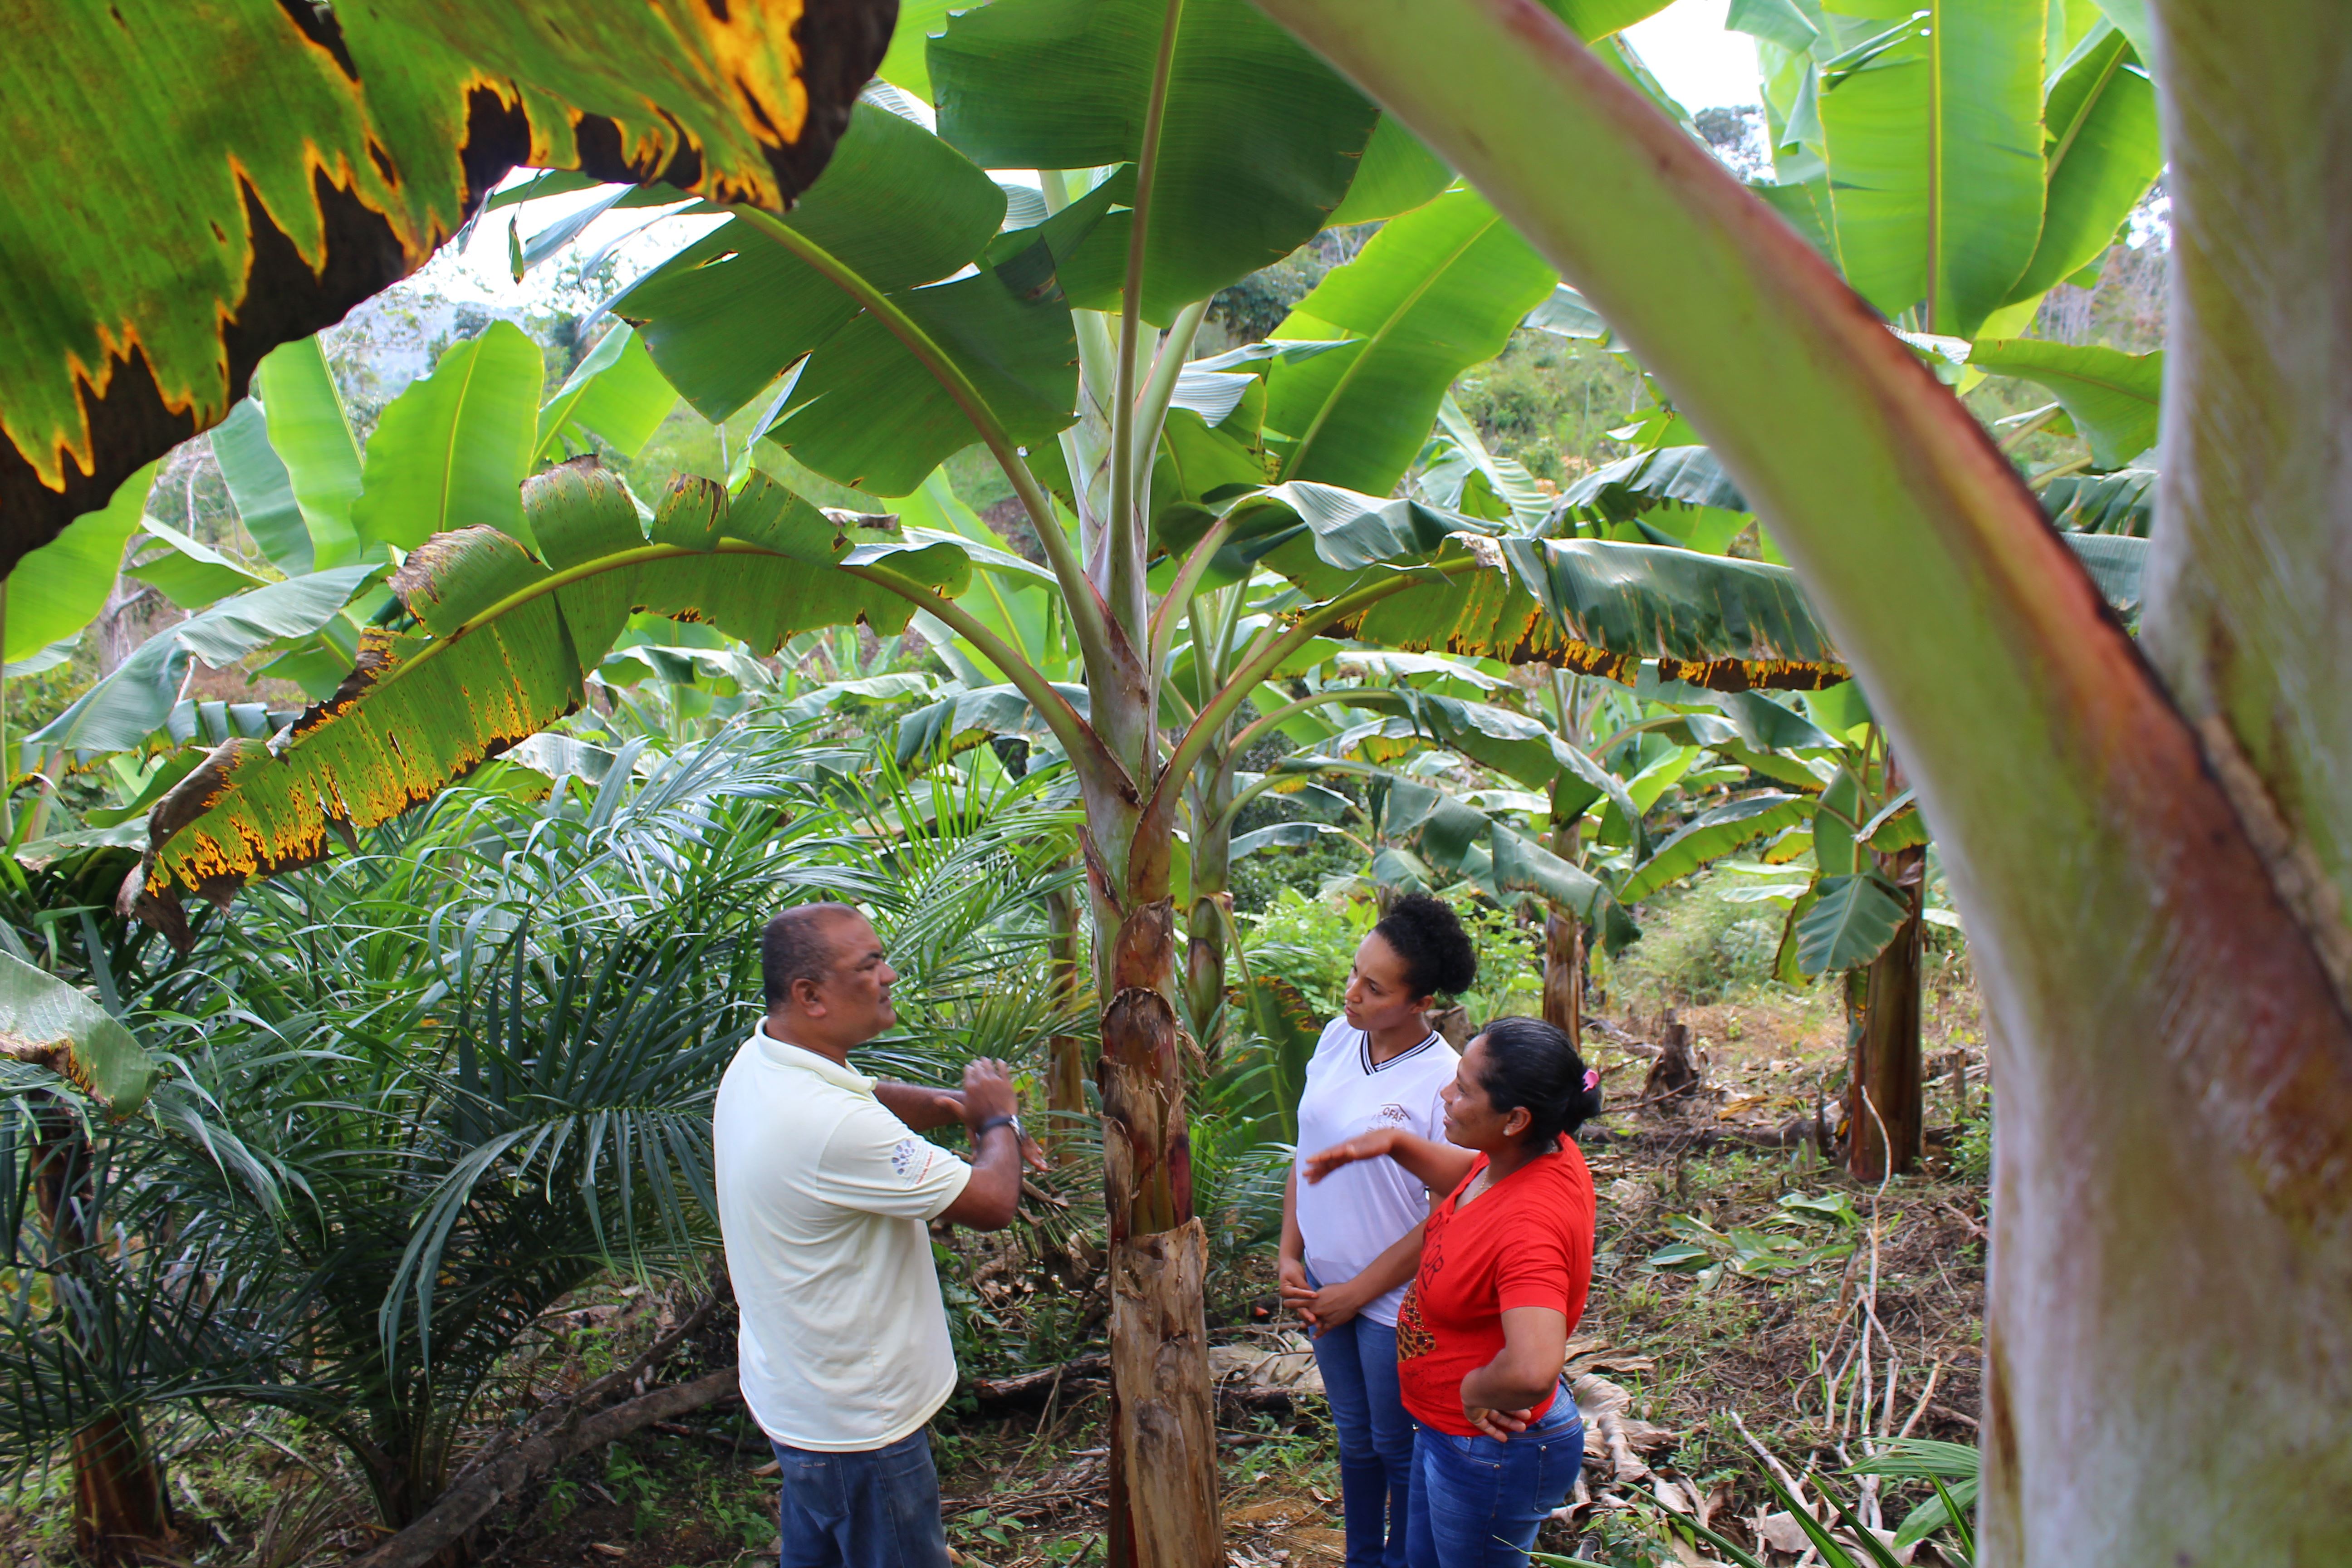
(1591,1078)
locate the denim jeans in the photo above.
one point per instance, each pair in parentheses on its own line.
(875,1509)
(1478,1502)
(1359,1363)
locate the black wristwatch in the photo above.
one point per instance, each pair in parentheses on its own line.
(985,1128)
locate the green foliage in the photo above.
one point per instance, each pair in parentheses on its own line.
(1309,941)
(899,208)
(1509,946)
(389,98)
(1549,403)
(415,1096)
(1435,291)
(55,590)
(1257,881)
(1700,943)
(1807,1236)
(1258,141)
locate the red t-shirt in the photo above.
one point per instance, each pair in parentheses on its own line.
(1526,1242)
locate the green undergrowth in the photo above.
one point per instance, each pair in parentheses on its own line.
(1699,944)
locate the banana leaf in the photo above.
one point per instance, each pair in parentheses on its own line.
(904,213)
(125,709)
(188,572)
(2120,502)
(1711,836)
(1932,127)
(1433,293)
(59,588)
(497,646)
(451,451)
(1850,921)
(2106,150)
(243,174)
(2112,397)
(1624,490)
(1258,139)
(47,1024)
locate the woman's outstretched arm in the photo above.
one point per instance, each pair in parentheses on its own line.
(1440,1166)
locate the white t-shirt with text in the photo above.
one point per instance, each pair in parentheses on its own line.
(1358,1212)
(824,1197)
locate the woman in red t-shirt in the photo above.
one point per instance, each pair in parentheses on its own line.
(1506,1263)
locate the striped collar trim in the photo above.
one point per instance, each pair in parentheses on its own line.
(1364,1052)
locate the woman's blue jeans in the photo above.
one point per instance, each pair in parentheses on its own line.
(1478,1502)
(1359,1363)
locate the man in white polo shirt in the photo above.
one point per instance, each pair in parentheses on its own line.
(825,1191)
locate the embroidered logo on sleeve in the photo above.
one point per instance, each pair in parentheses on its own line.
(912,1158)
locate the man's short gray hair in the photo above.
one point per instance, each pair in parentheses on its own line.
(798,944)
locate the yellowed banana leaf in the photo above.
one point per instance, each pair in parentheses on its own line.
(497,646)
(46,1024)
(1602,608)
(191,186)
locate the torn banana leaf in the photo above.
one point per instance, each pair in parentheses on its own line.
(497,646)
(1601,607)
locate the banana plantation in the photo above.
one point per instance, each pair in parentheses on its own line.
(1832,594)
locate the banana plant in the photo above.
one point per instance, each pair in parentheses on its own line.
(488,642)
(895,317)
(1596,792)
(2157,940)
(1959,162)
(65,1062)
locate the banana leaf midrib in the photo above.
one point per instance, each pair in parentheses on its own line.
(1374,340)
(554,581)
(2089,107)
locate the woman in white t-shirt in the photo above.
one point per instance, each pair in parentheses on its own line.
(1350,1246)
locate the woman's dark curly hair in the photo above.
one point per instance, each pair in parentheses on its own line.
(1427,935)
(1530,1063)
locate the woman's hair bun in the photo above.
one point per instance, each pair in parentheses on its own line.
(1531,1064)
(1427,935)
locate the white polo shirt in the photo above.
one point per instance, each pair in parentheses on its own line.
(823,1198)
(1358,1212)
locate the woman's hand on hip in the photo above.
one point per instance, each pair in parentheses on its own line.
(1499,1424)
(1374,1145)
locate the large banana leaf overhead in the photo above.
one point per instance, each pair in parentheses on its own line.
(1955,161)
(900,216)
(194,187)
(1257,142)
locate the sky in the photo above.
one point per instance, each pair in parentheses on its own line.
(1685,46)
(1693,58)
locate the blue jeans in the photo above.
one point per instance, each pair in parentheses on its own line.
(1359,1363)
(1478,1502)
(875,1509)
